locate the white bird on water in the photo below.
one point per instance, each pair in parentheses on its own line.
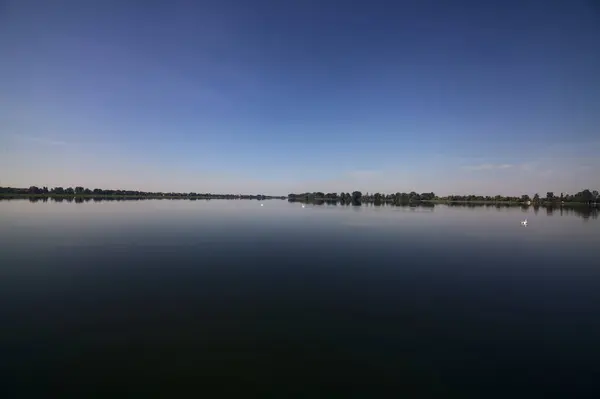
(302,205)
(262,204)
(524,222)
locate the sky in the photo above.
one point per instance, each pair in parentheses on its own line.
(272,97)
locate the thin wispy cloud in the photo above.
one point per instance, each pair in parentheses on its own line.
(528,167)
(50,142)
(488,166)
(40,140)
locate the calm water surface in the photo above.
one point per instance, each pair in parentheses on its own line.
(161,296)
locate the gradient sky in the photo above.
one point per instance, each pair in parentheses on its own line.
(272,97)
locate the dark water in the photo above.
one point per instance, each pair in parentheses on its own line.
(162,297)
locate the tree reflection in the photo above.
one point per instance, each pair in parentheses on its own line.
(355,199)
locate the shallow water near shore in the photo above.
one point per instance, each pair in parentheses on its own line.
(156,296)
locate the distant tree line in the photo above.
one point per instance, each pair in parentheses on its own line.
(357,197)
(583,197)
(80,191)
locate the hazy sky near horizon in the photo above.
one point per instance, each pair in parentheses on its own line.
(274,97)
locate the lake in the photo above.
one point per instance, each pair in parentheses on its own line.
(164,296)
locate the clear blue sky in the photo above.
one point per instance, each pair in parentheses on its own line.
(285,96)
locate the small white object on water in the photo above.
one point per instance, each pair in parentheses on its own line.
(302,205)
(524,222)
(262,204)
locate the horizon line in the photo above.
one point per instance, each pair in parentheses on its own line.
(82,191)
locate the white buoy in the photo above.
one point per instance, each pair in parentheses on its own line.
(524,222)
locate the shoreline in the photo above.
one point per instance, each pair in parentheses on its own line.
(302,200)
(125,196)
(446,202)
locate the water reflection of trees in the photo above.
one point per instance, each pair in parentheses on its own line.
(584,211)
(75,199)
(355,202)
(37,199)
